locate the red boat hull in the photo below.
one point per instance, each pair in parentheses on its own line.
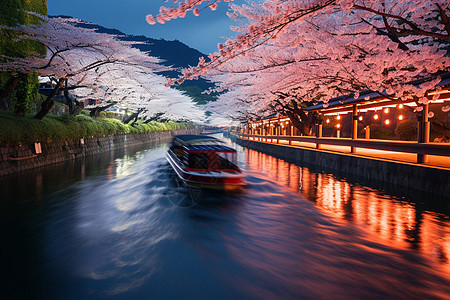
(206,179)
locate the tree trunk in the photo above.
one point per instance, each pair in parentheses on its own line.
(136,117)
(96,110)
(9,89)
(75,107)
(79,106)
(19,111)
(300,120)
(47,105)
(132,116)
(67,96)
(296,122)
(154,118)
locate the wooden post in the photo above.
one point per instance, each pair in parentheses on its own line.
(292,134)
(367,132)
(278,131)
(338,133)
(426,134)
(354,126)
(423,135)
(319,135)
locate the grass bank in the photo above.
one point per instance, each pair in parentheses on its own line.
(52,128)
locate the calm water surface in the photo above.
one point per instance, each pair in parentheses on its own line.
(118,226)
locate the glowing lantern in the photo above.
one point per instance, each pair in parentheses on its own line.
(360,118)
(338,126)
(328,121)
(400,106)
(375,117)
(338,117)
(400,117)
(386,110)
(387,122)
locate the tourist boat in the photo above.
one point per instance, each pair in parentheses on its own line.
(204,162)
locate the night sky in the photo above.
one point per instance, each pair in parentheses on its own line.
(202,33)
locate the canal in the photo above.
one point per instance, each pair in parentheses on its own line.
(118,226)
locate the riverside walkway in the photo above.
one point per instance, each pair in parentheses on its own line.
(433,160)
(390,163)
(411,158)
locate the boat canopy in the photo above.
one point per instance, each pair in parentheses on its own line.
(203,153)
(216,148)
(190,139)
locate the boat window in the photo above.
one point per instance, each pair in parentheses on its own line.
(177,150)
(198,160)
(227,160)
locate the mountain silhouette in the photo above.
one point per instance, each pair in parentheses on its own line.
(172,53)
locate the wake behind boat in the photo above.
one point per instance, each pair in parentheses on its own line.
(204,162)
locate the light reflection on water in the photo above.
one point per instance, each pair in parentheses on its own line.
(118,226)
(387,217)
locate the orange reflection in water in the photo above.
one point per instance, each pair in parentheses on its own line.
(387,217)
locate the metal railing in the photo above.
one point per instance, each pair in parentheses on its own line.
(441,149)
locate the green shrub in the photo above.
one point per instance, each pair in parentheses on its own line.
(15,129)
(140,128)
(89,125)
(85,113)
(107,127)
(407,130)
(157,126)
(379,132)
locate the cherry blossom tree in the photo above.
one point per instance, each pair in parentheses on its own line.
(145,95)
(174,105)
(73,53)
(289,53)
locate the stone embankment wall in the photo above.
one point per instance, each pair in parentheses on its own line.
(16,158)
(406,176)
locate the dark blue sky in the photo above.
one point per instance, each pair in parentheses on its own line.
(202,33)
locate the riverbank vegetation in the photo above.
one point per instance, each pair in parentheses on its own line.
(14,130)
(21,91)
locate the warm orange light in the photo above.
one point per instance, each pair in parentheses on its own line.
(338,117)
(375,116)
(360,118)
(386,110)
(387,122)
(328,121)
(400,117)
(338,125)
(400,106)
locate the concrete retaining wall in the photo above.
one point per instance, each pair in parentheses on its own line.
(432,180)
(16,158)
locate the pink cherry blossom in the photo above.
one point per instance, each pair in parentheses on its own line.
(150,20)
